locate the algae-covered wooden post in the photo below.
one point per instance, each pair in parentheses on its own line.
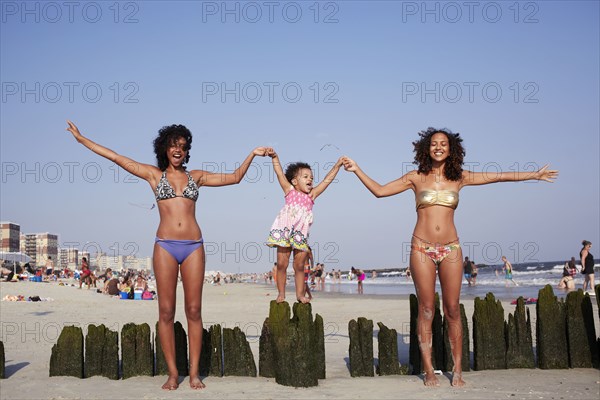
(387,346)
(466,359)
(437,339)
(414,357)
(181,356)
(216,350)
(581,333)
(237,355)
(205,354)
(67,354)
(437,351)
(136,350)
(297,348)
(519,352)
(489,343)
(551,331)
(101,352)
(597,290)
(319,336)
(360,332)
(266,352)
(2,361)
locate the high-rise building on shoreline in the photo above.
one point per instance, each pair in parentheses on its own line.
(10,236)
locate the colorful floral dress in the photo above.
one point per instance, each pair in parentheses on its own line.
(291,226)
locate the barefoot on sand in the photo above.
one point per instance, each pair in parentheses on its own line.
(172,383)
(196,383)
(429,379)
(457,379)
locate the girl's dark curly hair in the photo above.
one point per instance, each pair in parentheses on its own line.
(453,166)
(292,170)
(168,135)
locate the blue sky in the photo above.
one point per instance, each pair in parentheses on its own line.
(519,81)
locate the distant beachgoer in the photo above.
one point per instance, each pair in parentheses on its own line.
(178,246)
(435,247)
(360,276)
(373,274)
(85,273)
(508,271)
(140,283)
(587,266)
(568,277)
(468,270)
(289,233)
(408,275)
(49,266)
(474,272)
(321,277)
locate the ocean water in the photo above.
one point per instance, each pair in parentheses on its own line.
(531,277)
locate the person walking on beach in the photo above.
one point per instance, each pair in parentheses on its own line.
(289,233)
(467,270)
(360,277)
(179,243)
(435,244)
(474,272)
(587,266)
(508,271)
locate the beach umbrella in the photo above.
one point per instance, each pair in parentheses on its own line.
(14,257)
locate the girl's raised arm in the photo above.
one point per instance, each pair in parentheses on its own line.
(143,171)
(470,178)
(283,182)
(389,189)
(320,188)
(217,179)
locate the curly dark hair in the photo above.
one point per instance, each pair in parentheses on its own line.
(292,170)
(167,135)
(453,166)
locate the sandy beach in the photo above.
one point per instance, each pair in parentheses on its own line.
(29,329)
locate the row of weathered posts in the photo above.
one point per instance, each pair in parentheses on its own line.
(292,344)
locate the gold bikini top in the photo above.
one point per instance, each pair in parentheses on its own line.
(428,198)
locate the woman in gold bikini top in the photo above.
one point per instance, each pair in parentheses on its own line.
(439,155)
(428,198)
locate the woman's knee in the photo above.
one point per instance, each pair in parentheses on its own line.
(193,312)
(166,314)
(452,311)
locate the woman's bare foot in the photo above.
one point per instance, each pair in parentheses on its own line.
(172,383)
(303,300)
(457,379)
(196,383)
(430,379)
(280,298)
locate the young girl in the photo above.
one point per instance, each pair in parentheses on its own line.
(290,229)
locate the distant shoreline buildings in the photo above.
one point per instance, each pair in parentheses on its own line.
(40,246)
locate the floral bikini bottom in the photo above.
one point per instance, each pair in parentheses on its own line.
(437,253)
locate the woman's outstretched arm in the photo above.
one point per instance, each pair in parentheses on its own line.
(217,179)
(482,178)
(389,189)
(143,171)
